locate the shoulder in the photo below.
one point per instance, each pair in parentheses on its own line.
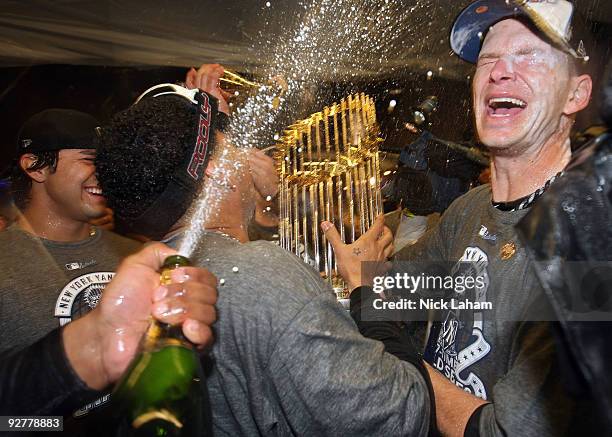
(13,233)
(15,242)
(473,202)
(126,245)
(268,262)
(273,251)
(264,293)
(474,198)
(261,276)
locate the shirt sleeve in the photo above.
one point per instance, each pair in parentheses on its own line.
(434,244)
(427,256)
(394,336)
(343,383)
(38,380)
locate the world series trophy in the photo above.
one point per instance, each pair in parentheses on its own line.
(329,170)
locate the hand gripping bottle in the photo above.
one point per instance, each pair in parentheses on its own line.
(161,393)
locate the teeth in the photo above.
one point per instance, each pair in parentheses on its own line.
(515,102)
(92,190)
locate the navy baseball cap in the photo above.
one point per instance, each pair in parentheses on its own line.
(555,19)
(56,129)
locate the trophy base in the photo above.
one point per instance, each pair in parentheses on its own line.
(346,304)
(342,295)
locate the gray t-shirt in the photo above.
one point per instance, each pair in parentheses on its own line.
(46,284)
(288,360)
(497,354)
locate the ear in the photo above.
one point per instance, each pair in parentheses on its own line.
(26,161)
(190,78)
(580,94)
(210,167)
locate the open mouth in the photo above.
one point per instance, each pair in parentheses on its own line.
(505,106)
(94,191)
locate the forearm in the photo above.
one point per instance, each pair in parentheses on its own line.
(393,335)
(83,348)
(454,407)
(39,380)
(390,333)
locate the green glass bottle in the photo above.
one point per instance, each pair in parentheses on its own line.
(161,392)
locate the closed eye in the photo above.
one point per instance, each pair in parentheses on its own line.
(485,61)
(88,156)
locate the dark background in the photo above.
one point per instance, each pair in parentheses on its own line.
(98,56)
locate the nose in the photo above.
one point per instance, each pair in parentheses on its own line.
(502,70)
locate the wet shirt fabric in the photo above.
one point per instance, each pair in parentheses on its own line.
(569,235)
(502,354)
(46,284)
(288,360)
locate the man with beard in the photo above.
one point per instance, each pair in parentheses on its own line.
(493,372)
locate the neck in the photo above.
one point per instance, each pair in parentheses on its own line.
(52,227)
(227,220)
(513,177)
(237,232)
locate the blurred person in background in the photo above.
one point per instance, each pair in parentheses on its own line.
(8,212)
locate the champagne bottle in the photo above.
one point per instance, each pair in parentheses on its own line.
(161,392)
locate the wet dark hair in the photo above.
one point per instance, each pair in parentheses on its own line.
(139,150)
(21,182)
